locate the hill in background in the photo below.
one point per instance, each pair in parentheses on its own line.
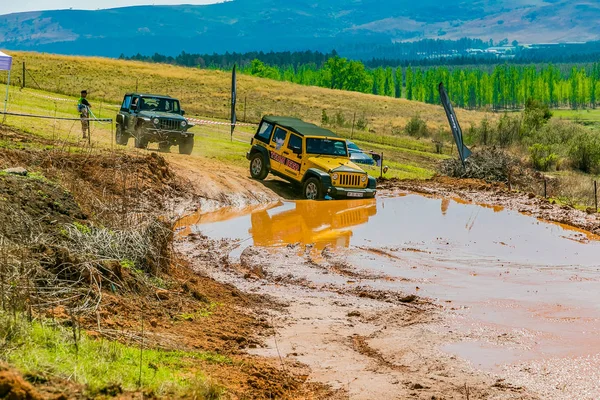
(244,25)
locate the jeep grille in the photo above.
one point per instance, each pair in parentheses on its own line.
(350,180)
(169,124)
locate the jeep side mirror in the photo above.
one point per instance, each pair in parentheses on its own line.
(182,112)
(133,107)
(297,150)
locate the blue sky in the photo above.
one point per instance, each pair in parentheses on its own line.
(12,6)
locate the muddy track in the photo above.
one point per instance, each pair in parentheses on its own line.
(363,342)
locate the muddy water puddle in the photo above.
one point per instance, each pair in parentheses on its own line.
(519,289)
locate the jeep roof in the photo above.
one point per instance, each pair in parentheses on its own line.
(298,126)
(150,95)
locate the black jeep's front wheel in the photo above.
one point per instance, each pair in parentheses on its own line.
(121,137)
(186,145)
(312,189)
(141,142)
(258,167)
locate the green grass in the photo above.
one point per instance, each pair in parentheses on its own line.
(48,351)
(406,157)
(582,115)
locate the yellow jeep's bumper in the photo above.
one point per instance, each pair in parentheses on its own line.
(350,193)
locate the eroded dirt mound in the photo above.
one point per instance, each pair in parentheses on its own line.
(31,205)
(14,387)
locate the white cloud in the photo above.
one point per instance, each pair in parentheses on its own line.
(7,7)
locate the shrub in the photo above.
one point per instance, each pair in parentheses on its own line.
(535,116)
(324,118)
(416,127)
(340,120)
(542,157)
(362,123)
(508,131)
(584,151)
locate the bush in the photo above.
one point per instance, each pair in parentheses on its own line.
(416,127)
(508,131)
(324,118)
(362,123)
(584,151)
(340,120)
(535,116)
(542,157)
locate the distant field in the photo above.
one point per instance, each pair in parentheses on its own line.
(206,94)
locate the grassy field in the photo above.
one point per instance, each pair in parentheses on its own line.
(205,94)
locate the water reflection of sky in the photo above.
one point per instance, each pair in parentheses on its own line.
(449,227)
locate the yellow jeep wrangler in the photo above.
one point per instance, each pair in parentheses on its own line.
(308,155)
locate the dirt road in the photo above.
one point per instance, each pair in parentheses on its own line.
(415,297)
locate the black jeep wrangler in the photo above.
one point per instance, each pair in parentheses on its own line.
(151,118)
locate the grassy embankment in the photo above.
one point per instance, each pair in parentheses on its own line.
(206,94)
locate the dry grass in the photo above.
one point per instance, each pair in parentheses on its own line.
(206,92)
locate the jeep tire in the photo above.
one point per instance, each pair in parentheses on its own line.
(186,145)
(258,167)
(122,138)
(312,189)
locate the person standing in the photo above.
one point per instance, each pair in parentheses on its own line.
(84,111)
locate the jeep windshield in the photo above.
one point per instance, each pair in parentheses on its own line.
(160,104)
(327,147)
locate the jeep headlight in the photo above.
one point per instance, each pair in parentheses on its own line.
(363,178)
(335,176)
(156,121)
(183,124)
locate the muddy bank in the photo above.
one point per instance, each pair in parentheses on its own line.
(332,316)
(497,194)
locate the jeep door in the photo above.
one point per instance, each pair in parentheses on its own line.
(294,147)
(277,149)
(133,109)
(124,112)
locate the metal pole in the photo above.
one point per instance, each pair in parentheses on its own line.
(23,83)
(353,121)
(6,98)
(245,98)
(136,84)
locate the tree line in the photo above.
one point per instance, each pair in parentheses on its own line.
(500,87)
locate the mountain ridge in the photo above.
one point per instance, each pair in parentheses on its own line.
(247,25)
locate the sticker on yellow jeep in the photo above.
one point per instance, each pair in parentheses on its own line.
(285,161)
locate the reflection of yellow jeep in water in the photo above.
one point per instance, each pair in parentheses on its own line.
(311,156)
(323,224)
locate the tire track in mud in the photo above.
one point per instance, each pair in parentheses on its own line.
(362,341)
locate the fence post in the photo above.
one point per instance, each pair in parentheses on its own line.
(545,188)
(353,122)
(596,194)
(381,166)
(23,83)
(245,99)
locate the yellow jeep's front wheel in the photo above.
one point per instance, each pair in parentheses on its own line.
(312,189)
(258,167)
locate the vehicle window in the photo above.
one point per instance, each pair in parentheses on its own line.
(126,103)
(279,138)
(264,132)
(352,146)
(326,147)
(295,143)
(134,103)
(160,104)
